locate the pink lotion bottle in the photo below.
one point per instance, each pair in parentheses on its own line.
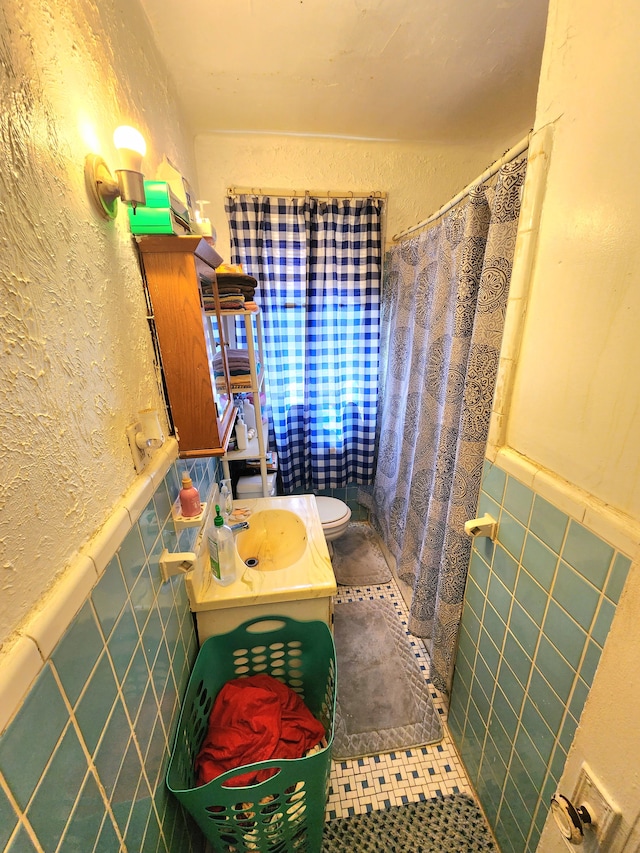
(189,498)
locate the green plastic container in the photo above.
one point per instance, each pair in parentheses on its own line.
(156,216)
(285,812)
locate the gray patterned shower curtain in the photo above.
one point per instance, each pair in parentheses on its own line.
(443,308)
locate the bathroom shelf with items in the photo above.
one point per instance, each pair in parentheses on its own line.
(250,382)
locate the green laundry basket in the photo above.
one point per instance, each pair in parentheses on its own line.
(285,812)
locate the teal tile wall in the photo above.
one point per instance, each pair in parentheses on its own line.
(82,764)
(538,607)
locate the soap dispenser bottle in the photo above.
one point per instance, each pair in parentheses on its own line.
(222,551)
(189,496)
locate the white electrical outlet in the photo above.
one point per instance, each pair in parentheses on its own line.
(139,454)
(604,812)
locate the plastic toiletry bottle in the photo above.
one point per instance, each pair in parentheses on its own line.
(249,414)
(241,434)
(222,551)
(189,498)
(226,498)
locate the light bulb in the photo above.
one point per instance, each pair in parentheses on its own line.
(131,147)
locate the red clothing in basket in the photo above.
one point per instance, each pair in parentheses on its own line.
(254,719)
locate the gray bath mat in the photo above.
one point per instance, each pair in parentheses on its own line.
(453,824)
(383,701)
(357,559)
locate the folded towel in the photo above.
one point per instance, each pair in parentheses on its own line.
(236,303)
(247,292)
(238,353)
(235,280)
(237,362)
(236,286)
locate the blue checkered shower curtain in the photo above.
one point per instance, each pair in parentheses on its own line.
(318,267)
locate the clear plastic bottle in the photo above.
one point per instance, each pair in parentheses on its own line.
(222,551)
(226,499)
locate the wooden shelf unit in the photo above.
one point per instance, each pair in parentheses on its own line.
(201,410)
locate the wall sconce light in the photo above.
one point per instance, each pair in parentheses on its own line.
(144,436)
(129,186)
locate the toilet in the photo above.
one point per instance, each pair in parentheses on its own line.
(334,517)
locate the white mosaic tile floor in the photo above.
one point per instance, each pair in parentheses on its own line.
(396,778)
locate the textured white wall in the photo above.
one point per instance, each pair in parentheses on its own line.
(77,360)
(576,407)
(419,178)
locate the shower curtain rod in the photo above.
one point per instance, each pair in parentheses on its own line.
(289,193)
(488,173)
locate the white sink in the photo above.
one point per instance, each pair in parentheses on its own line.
(276,539)
(293,577)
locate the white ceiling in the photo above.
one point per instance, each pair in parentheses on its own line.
(446,71)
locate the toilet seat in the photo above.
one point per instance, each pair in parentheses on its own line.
(333,513)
